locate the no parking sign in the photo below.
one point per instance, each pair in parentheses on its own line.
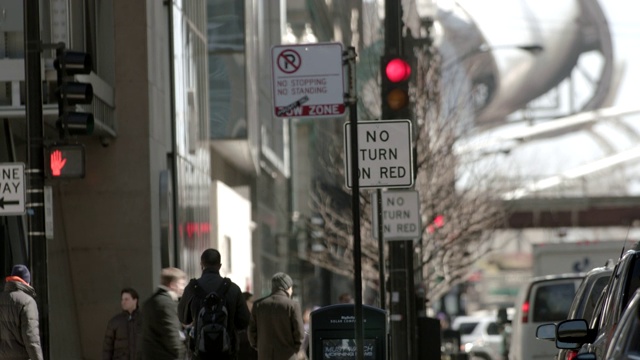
(308,80)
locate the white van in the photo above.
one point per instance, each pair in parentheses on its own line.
(545,299)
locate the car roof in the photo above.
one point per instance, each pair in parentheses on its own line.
(568,276)
(471,318)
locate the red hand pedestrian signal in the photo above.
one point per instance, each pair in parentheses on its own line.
(65,161)
(57,162)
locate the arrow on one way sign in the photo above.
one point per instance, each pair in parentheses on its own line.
(8,202)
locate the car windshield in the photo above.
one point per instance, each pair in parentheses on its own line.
(467,328)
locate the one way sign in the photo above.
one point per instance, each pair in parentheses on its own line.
(12,189)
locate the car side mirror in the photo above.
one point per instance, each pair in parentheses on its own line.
(570,334)
(546,332)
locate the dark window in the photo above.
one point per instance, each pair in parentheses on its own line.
(633,281)
(467,328)
(493,329)
(552,302)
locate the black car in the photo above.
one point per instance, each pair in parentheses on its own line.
(625,280)
(582,307)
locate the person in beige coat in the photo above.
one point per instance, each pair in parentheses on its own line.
(276,329)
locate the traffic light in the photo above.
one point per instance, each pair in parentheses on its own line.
(396,74)
(71,93)
(64,161)
(437,223)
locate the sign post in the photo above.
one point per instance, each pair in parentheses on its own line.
(12,189)
(308,80)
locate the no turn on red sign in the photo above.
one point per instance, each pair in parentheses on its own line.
(385,154)
(308,80)
(400,215)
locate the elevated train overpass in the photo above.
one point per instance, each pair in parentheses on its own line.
(541,212)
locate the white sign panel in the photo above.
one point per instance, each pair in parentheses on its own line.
(385,154)
(308,80)
(12,189)
(400,215)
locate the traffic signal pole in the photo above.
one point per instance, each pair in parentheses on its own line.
(401,279)
(351,98)
(35,171)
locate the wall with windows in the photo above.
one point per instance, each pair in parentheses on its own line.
(144,203)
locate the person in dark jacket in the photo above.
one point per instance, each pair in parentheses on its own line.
(19,332)
(276,329)
(246,351)
(124,329)
(162,337)
(238,313)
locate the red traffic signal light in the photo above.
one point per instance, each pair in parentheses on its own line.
(396,74)
(398,70)
(437,223)
(65,161)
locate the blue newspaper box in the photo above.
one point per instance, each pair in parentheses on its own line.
(333,333)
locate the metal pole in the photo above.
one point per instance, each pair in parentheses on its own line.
(381,264)
(35,171)
(392,46)
(352,100)
(401,284)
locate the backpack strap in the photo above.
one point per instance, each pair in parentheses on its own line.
(197,289)
(220,292)
(224,287)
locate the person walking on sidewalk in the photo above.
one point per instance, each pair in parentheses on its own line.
(124,329)
(19,324)
(276,329)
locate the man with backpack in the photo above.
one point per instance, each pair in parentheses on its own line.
(215,310)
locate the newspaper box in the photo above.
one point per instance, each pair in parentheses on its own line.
(333,333)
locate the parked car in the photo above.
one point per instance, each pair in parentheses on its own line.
(582,307)
(480,336)
(625,343)
(542,300)
(598,335)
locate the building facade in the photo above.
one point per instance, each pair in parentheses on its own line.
(145,199)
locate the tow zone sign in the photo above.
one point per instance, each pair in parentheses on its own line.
(308,80)
(12,189)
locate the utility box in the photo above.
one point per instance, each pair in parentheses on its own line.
(333,333)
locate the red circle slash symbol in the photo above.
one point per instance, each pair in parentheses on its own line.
(289,61)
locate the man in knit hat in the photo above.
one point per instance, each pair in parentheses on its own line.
(19,332)
(276,329)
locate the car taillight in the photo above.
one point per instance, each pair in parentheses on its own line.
(571,354)
(525,312)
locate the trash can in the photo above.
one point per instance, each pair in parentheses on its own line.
(333,333)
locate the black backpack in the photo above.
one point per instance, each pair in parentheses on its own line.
(210,336)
